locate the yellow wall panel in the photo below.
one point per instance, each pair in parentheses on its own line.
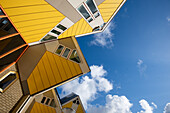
(108,8)
(60,67)
(54,67)
(51,70)
(48,69)
(32,17)
(38,79)
(43,74)
(31,84)
(66,67)
(77,29)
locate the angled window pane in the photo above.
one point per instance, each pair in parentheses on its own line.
(83,11)
(48,37)
(1,12)
(56,32)
(7,80)
(61,27)
(43,100)
(74,56)
(52,104)
(60,48)
(91,5)
(6,28)
(66,52)
(96,15)
(90,20)
(48,100)
(10,43)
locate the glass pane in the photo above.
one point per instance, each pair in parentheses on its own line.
(48,100)
(10,43)
(74,56)
(48,37)
(10,58)
(60,48)
(42,101)
(90,20)
(7,80)
(91,5)
(6,28)
(52,104)
(83,11)
(66,52)
(1,12)
(56,32)
(61,27)
(96,15)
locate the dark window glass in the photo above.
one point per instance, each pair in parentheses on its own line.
(10,43)
(61,27)
(1,12)
(90,20)
(74,56)
(42,101)
(96,15)
(6,28)
(48,37)
(7,80)
(56,32)
(10,58)
(52,104)
(48,100)
(60,48)
(91,5)
(66,52)
(83,11)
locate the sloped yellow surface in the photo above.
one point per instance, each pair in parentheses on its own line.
(108,8)
(33,18)
(50,71)
(79,28)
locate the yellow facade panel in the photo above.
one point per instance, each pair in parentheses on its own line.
(18,3)
(29,9)
(38,79)
(43,74)
(66,68)
(48,69)
(34,38)
(108,8)
(54,67)
(31,84)
(60,67)
(78,69)
(79,28)
(72,68)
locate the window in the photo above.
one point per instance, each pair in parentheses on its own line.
(74,56)
(10,43)
(61,27)
(48,100)
(90,20)
(96,15)
(52,104)
(83,11)
(56,32)
(6,28)
(1,12)
(7,80)
(91,5)
(48,37)
(43,100)
(60,48)
(66,52)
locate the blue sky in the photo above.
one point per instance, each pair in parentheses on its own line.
(133,54)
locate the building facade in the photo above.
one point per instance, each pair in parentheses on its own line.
(39,50)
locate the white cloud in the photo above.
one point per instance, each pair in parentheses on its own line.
(88,87)
(168,18)
(146,107)
(104,39)
(114,104)
(141,67)
(167,108)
